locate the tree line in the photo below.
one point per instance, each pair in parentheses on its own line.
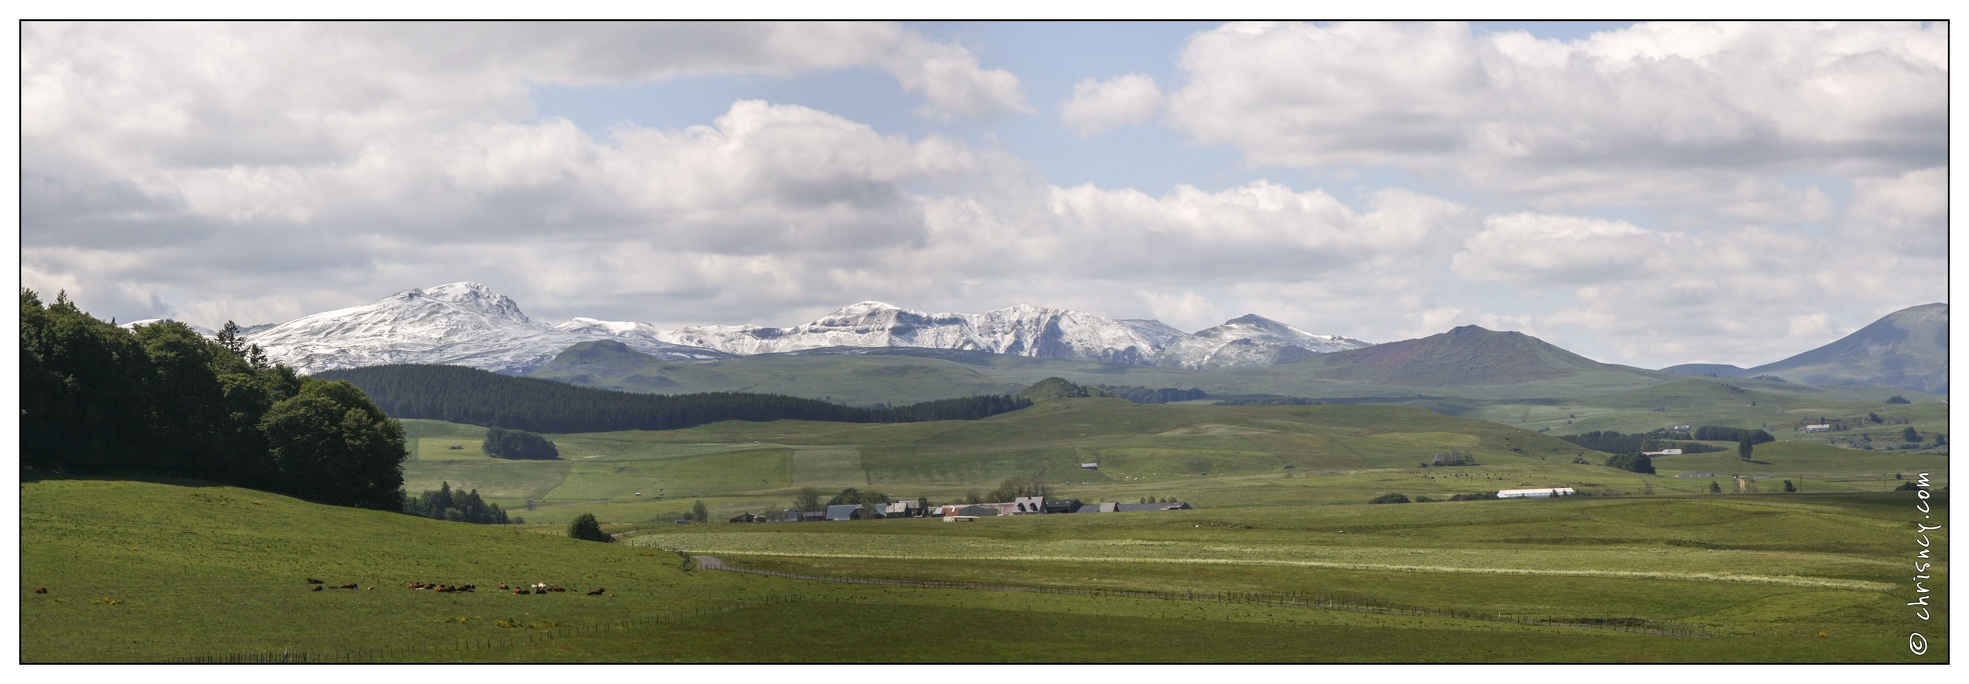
(445,504)
(467,395)
(1713,433)
(1160,395)
(518,445)
(161,400)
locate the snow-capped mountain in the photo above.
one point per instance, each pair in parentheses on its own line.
(1249,341)
(1020,330)
(467,324)
(463,324)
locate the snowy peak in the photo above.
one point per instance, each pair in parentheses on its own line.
(472,296)
(1250,341)
(465,324)
(1019,330)
(469,324)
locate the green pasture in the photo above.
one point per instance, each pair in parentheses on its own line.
(144,571)
(1772,570)
(1209,456)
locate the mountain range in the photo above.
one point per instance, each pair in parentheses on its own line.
(470,325)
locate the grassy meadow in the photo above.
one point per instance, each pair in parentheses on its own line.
(1210,456)
(1281,561)
(161,571)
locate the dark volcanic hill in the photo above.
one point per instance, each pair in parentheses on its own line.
(1468,355)
(1907,349)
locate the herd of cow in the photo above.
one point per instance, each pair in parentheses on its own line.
(536,588)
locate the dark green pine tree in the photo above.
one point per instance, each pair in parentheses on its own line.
(584,527)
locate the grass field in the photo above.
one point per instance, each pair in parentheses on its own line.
(143,571)
(1210,456)
(1281,561)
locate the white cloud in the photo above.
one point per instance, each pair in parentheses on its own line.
(1186,310)
(1540,249)
(1908,213)
(1100,106)
(957,86)
(1652,115)
(259,172)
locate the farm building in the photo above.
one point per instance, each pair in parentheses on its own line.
(1090,466)
(844,512)
(1544,493)
(900,509)
(1822,427)
(1033,505)
(1664,452)
(747,518)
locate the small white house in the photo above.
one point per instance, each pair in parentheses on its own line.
(1823,427)
(1026,505)
(1090,466)
(1545,493)
(1664,452)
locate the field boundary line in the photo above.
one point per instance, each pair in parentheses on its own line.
(1783,580)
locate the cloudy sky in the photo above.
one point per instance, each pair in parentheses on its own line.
(1646,194)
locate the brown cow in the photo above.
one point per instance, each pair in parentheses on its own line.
(315,588)
(350,585)
(555,588)
(41,590)
(503,587)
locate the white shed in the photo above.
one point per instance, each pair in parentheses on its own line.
(1544,493)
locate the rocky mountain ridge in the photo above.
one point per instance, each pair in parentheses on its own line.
(470,325)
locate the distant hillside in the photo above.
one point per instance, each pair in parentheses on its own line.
(1721,370)
(1468,355)
(854,376)
(466,395)
(1907,349)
